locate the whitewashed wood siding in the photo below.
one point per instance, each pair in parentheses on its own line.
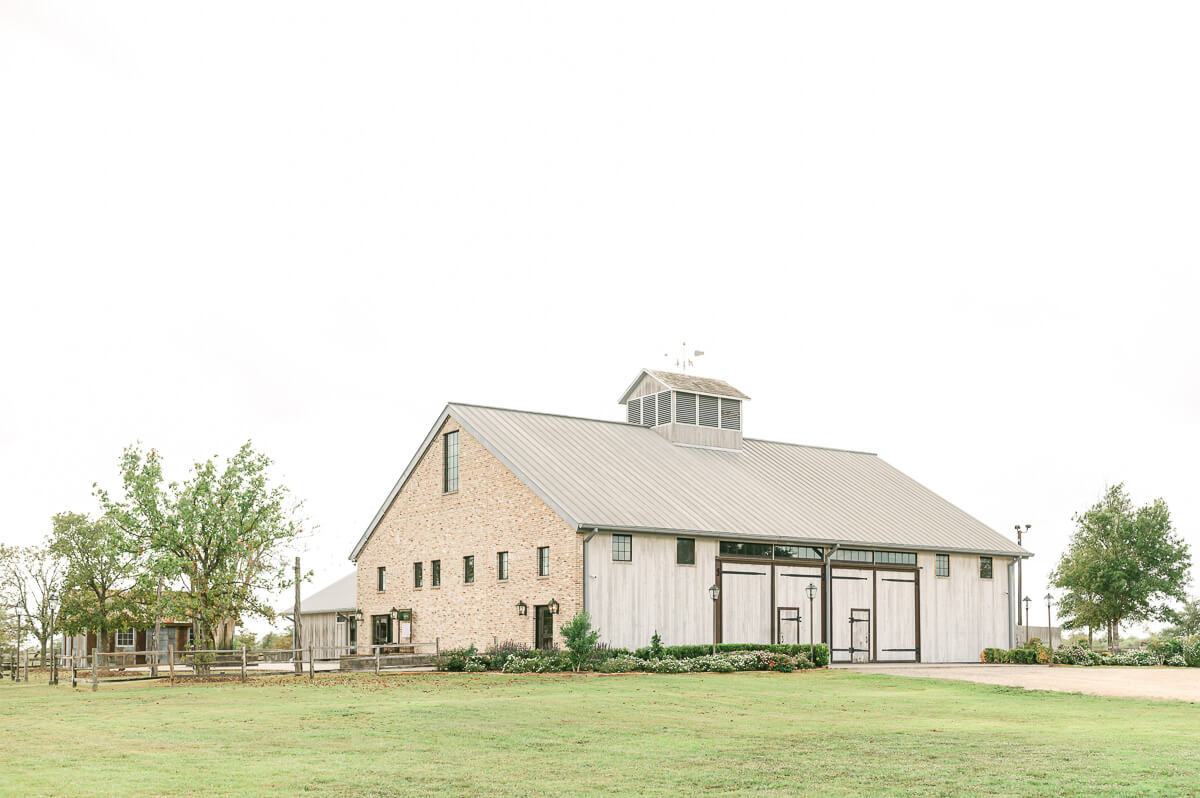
(962,614)
(745,603)
(895,621)
(790,584)
(852,589)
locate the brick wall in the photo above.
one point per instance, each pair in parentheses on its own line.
(491,511)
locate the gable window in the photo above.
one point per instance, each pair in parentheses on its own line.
(502,565)
(985,567)
(685,551)
(125,637)
(942,566)
(380,577)
(418,575)
(450,462)
(435,572)
(622,548)
(469,568)
(543,555)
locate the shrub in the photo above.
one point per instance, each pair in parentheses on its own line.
(496,656)
(656,647)
(1177,661)
(1189,649)
(456,659)
(621,664)
(581,640)
(819,657)
(549,663)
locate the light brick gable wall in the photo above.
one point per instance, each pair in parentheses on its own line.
(492,511)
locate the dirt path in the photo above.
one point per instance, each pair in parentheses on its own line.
(1182,684)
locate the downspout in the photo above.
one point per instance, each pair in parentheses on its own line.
(827,627)
(585,567)
(1012,632)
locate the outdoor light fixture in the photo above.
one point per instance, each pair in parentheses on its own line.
(522,608)
(1049,629)
(1027,601)
(52,601)
(811,590)
(715,592)
(553,607)
(358,616)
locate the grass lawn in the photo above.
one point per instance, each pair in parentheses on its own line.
(819,732)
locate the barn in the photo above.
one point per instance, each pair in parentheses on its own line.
(670,520)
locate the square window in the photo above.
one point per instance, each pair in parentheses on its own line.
(502,565)
(622,546)
(942,565)
(380,577)
(418,576)
(125,637)
(469,569)
(543,560)
(985,567)
(450,462)
(435,572)
(685,551)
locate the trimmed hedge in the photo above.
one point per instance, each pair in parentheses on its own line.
(515,658)
(820,658)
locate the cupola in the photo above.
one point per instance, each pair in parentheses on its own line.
(685,409)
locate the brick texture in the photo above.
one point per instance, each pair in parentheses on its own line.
(492,511)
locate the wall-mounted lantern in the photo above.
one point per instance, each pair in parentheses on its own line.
(358,617)
(553,607)
(715,592)
(522,608)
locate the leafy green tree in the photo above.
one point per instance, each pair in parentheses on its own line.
(1185,621)
(1123,564)
(245,638)
(35,575)
(580,640)
(8,560)
(99,577)
(219,534)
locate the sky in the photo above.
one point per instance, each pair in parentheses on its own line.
(962,236)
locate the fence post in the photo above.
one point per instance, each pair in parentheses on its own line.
(312,666)
(243,663)
(95,673)
(171,661)
(377,660)
(74,663)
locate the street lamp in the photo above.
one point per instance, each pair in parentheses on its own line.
(17,664)
(811,590)
(715,593)
(1027,600)
(1049,629)
(52,601)
(1020,561)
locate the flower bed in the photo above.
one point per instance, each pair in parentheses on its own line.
(516,659)
(1178,652)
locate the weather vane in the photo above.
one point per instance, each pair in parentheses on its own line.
(683,361)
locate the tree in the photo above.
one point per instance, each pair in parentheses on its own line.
(35,575)
(245,638)
(580,639)
(1122,564)
(219,535)
(99,578)
(1185,621)
(8,560)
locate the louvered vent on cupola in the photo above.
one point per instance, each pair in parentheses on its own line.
(694,411)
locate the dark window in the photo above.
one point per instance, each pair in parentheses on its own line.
(418,575)
(985,567)
(435,572)
(381,629)
(622,548)
(797,553)
(738,549)
(853,555)
(895,558)
(353,632)
(943,565)
(502,565)
(380,577)
(685,551)
(543,561)
(469,568)
(450,462)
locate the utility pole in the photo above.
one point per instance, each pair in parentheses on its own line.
(297,653)
(157,625)
(1020,580)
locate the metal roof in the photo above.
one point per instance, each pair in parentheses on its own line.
(613,475)
(686,382)
(341,596)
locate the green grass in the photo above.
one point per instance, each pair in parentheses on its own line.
(818,732)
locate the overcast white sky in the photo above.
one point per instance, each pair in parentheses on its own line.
(961,236)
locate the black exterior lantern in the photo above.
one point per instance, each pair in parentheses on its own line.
(553,607)
(715,592)
(358,617)
(522,608)
(811,590)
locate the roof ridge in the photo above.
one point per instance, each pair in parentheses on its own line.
(812,446)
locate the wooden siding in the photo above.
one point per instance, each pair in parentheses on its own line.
(746,603)
(852,589)
(962,614)
(322,631)
(694,435)
(791,582)
(646,386)
(894,616)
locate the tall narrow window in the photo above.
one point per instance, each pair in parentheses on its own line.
(685,551)
(622,548)
(731,414)
(450,462)
(469,568)
(633,411)
(685,408)
(943,565)
(708,411)
(985,567)
(435,572)
(418,576)
(380,577)
(543,561)
(502,565)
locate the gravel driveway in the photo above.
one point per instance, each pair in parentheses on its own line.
(1182,684)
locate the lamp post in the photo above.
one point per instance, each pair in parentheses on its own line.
(17,664)
(1049,629)
(52,601)
(1020,562)
(1027,600)
(811,590)
(715,593)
